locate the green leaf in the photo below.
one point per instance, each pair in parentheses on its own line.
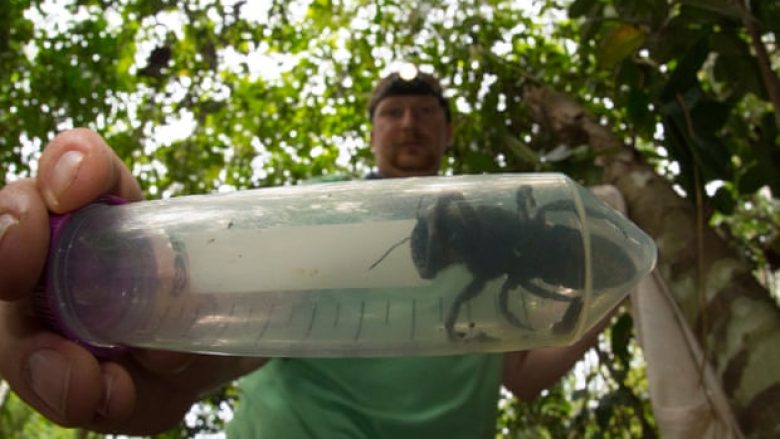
(685,75)
(721,7)
(620,42)
(650,12)
(580,8)
(768,14)
(753,179)
(724,201)
(638,109)
(478,162)
(709,116)
(620,336)
(735,67)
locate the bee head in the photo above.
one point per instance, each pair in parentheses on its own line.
(427,254)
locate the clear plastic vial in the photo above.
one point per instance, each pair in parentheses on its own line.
(416,266)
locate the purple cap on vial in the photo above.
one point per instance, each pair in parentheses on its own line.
(49,302)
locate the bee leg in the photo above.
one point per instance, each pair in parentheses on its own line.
(503,304)
(525,204)
(569,319)
(469,292)
(545,293)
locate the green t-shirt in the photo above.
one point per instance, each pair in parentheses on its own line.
(419,397)
(414,397)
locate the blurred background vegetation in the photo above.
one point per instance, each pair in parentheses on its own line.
(216,95)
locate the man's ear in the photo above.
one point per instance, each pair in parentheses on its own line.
(371,139)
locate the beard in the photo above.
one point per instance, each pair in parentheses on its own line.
(409,152)
(417,159)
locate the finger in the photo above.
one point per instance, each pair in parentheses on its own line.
(58,378)
(53,375)
(174,382)
(119,397)
(163,363)
(77,167)
(24,238)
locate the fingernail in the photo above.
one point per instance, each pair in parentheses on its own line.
(63,174)
(49,377)
(6,222)
(108,383)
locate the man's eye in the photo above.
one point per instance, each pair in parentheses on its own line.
(427,111)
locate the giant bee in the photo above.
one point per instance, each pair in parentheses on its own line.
(543,258)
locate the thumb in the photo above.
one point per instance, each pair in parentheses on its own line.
(78,166)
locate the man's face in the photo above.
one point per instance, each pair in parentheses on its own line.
(409,136)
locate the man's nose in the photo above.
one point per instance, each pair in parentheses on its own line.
(408,117)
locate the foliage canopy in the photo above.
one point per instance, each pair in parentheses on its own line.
(205,95)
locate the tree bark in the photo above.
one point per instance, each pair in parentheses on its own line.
(737,321)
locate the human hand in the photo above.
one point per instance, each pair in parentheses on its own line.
(141,392)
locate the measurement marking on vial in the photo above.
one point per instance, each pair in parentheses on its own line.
(226,323)
(190,319)
(194,320)
(249,318)
(267,320)
(251,313)
(311,321)
(292,313)
(360,321)
(414,318)
(387,312)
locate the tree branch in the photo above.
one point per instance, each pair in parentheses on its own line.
(771,81)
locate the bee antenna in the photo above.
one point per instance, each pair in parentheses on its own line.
(393,247)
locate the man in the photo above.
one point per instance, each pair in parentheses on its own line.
(149,391)
(411,126)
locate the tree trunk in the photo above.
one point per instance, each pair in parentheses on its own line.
(737,321)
